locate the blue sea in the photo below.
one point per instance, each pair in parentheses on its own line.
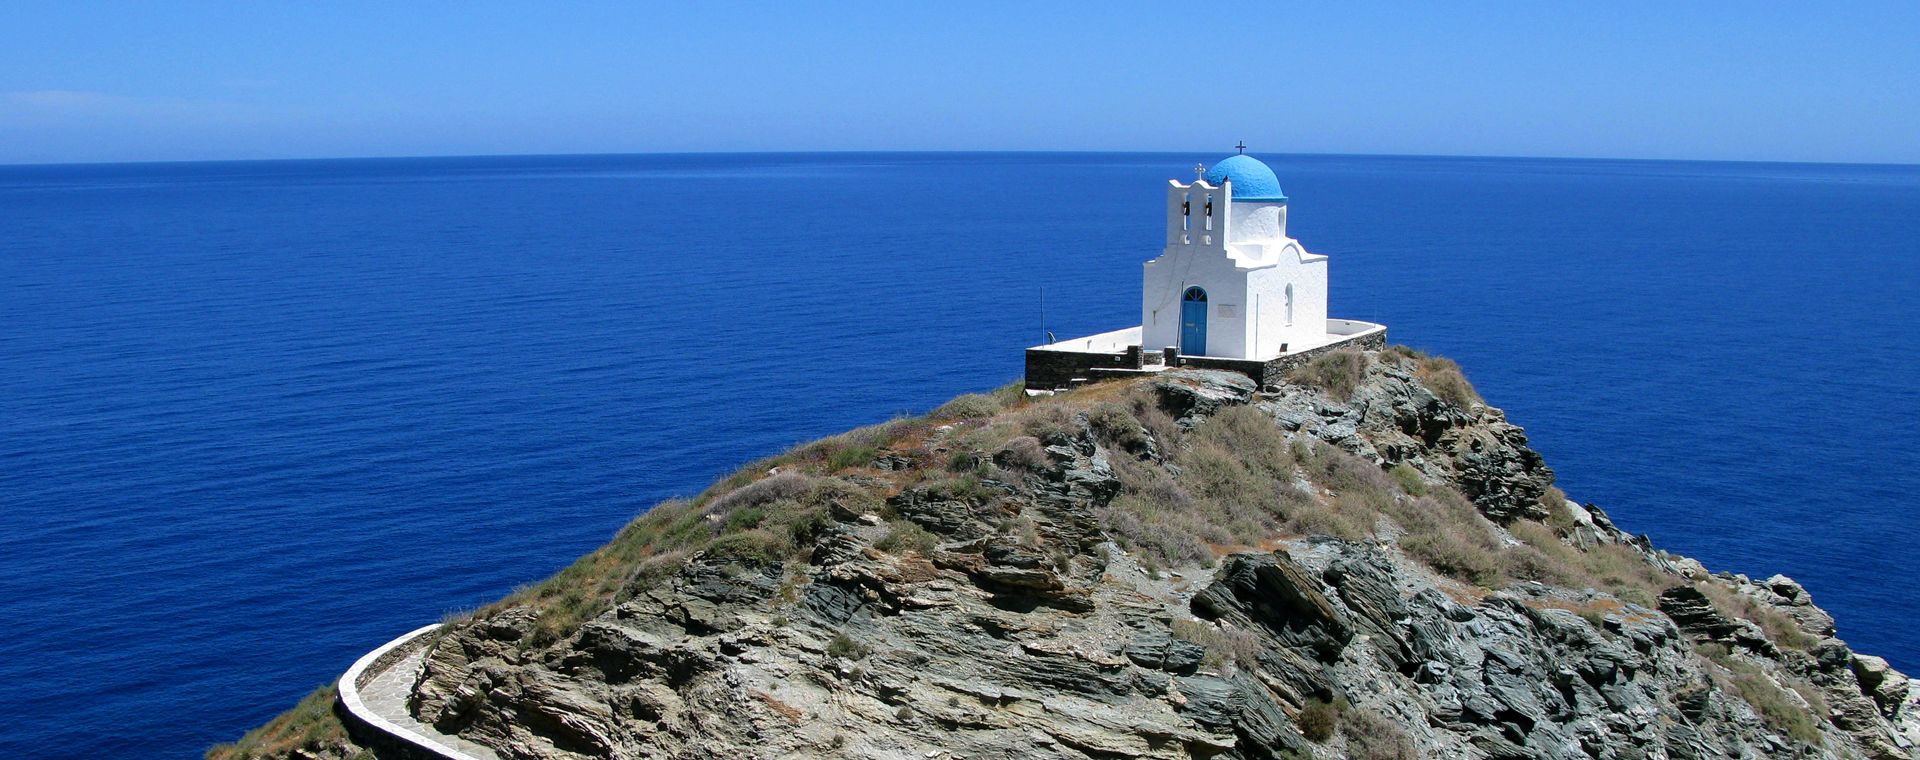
(257,418)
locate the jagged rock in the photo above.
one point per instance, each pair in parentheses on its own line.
(1887,687)
(1695,614)
(1159,650)
(1024,628)
(1191,394)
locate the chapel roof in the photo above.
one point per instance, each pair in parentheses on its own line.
(1252,179)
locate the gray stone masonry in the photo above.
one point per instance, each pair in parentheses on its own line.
(1057,370)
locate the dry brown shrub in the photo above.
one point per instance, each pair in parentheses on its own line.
(1780,627)
(1051,422)
(1223,645)
(1444,531)
(1116,425)
(1373,737)
(1336,372)
(1444,378)
(1023,453)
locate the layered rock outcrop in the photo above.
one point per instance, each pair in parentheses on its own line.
(1390,575)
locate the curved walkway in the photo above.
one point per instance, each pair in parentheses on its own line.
(375,690)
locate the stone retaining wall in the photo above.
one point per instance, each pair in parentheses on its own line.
(1050,368)
(1053,369)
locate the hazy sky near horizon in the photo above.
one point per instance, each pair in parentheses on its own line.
(84,81)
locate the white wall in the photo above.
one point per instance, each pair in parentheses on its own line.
(1258,221)
(1182,267)
(1245,263)
(1272,329)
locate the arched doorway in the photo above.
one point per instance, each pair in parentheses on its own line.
(1193,322)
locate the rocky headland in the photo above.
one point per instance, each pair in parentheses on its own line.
(1366,562)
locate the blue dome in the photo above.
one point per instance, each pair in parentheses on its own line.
(1252,180)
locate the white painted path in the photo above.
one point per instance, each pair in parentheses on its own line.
(375,690)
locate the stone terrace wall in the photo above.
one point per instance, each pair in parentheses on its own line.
(1052,370)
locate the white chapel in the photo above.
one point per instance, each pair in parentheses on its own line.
(1230,282)
(1231,290)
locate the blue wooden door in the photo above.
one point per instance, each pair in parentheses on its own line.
(1193,322)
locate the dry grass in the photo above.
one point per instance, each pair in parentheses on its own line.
(971,406)
(1224,645)
(1115,424)
(310,725)
(1621,570)
(906,536)
(1320,718)
(1440,374)
(1780,627)
(766,520)
(1023,453)
(1336,372)
(1372,737)
(1444,531)
(1799,718)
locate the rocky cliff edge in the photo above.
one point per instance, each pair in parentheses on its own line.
(1369,563)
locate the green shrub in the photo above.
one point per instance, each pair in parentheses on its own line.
(784,486)
(746,518)
(1162,536)
(1441,375)
(965,461)
(1159,424)
(1409,479)
(1559,515)
(843,646)
(852,457)
(1403,353)
(965,487)
(1349,516)
(1336,372)
(1252,436)
(757,545)
(1242,502)
(1343,473)
(906,536)
(971,406)
(1011,395)
(1529,563)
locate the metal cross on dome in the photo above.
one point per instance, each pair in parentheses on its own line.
(1242,147)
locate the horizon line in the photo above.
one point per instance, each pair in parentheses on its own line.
(871,151)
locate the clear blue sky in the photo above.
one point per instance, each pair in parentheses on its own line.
(165,81)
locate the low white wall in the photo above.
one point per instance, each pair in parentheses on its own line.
(1102,343)
(351,681)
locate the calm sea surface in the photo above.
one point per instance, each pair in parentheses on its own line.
(257,418)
